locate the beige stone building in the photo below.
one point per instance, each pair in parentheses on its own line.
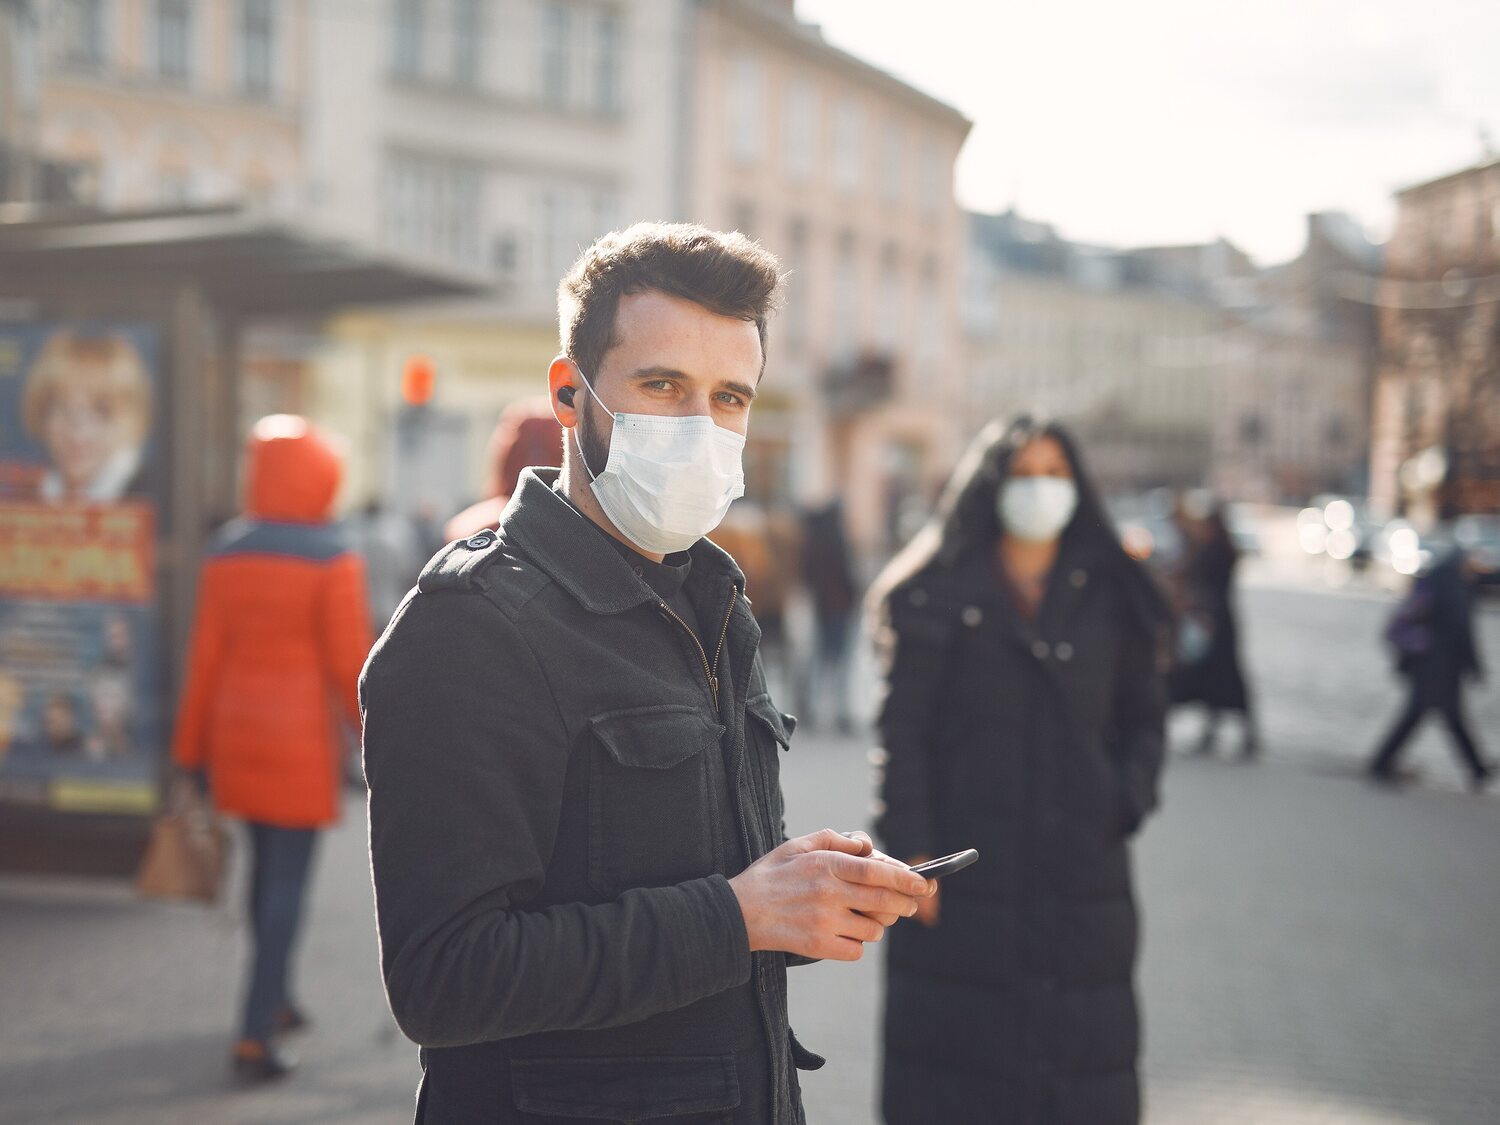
(847,174)
(1435,445)
(1121,350)
(171,102)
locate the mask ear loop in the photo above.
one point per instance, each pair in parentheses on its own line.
(577,441)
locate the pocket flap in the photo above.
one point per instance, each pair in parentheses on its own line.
(657,737)
(625,1089)
(781,725)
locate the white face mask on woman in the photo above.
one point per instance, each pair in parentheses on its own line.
(668,481)
(1037,508)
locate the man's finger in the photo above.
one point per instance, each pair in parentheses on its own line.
(873,873)
(827,840)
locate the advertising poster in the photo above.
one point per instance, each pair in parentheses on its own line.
(81,728)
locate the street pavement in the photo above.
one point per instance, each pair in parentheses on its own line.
(1316,950)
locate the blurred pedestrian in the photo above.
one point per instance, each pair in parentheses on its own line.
(828,577)
(280,633)
(1022,716)
(1208,669)
(1432,635)
(526,436)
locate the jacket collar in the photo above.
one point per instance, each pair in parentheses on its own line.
(560,541)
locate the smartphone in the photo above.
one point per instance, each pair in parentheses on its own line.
(937,868)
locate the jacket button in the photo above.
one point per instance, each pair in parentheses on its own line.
(480,541)
(1064,651)
(1040,649)
(1078,578)
(918,597)
(972,616)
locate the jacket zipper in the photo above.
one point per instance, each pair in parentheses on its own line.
(710,672)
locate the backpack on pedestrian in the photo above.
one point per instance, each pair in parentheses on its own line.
(1409,629)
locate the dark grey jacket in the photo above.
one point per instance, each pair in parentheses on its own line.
(561,782)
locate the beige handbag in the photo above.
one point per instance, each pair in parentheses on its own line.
(188,851)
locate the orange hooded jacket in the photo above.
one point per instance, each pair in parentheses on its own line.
(281,632)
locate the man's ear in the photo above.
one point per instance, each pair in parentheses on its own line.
(562,389)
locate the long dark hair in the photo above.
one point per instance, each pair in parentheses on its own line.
(967,519)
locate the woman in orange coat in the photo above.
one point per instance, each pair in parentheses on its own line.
(281,631)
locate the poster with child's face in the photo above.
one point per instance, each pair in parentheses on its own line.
(79,676)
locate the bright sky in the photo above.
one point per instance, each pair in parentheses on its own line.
(1160,121)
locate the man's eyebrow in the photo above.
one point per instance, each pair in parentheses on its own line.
(656,371)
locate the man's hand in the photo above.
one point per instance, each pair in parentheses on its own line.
(824,895)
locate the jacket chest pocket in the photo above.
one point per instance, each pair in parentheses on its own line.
(650,806)
(767,733)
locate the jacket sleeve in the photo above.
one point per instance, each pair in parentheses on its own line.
(465,755)
(914,647)
(1138,725)
(205,657)
(345,630)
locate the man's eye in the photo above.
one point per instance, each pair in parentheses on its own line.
(729,398)
(659,385)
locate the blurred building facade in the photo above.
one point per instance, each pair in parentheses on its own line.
(847,175)
(495,141)
(1121,347)
(1436,431)
(1296,362)
(171,103)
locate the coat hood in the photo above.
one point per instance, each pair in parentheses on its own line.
(292,471)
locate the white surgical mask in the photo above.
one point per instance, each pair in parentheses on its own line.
(1037,508)
(668,481)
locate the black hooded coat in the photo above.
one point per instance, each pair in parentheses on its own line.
(1038,741)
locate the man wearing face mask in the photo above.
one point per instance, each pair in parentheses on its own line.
(585,903)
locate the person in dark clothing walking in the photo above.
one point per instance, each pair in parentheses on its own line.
(1433,635)
(828,577)
(584,896)
(1208,668)
(1023,717)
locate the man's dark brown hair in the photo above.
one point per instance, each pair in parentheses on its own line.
(725,273)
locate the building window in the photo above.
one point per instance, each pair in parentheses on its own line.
(848,146)
(799,285)
(434,207)
(746,96)
(888,312)
(174,37)
(932,179)
(565,219)
(742,217)
(557,54)
(845,299)
(800,129)
(257,46)
(605,66)
(890,164)
(81,32)
(406,53)
(468,33)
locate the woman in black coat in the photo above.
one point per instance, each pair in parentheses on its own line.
(1209,672)
(1023,717)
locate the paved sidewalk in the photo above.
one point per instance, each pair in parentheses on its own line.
(1316,952)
